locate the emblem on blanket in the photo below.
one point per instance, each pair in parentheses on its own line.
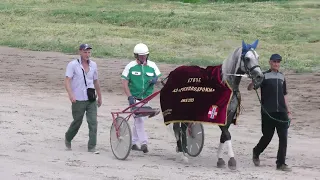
(213,112)
(195,94)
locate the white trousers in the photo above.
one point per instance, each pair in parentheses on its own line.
(139,134)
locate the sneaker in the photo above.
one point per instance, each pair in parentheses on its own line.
(68,144)
(93,150)
(255,159)
(144,148)
(283,167)
(135,147)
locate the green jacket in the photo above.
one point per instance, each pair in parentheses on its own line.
(139,77)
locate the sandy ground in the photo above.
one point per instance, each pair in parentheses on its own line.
(35,113)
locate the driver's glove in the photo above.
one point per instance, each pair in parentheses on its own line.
(154,80)
(131,100)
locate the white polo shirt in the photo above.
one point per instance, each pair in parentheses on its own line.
(78,86)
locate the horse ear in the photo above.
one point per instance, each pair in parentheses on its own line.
(255,44)
(244,45)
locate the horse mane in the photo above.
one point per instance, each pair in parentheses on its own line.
(230,66)
(231,63)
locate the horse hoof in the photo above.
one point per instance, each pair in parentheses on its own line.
(221,163)
(183,158)
(232,164)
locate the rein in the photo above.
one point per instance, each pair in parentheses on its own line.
(282,121)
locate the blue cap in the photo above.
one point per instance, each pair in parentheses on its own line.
(84,47)
(275,57)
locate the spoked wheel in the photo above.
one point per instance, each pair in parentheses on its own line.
(195,139)
(121,144)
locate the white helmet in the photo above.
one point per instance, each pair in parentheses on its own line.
(141,49)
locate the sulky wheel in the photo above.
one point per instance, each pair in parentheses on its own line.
(120,145)
(195,139)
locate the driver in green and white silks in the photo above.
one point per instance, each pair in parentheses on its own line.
(139,76)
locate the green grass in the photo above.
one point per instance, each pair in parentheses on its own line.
(225,1)
(197,33)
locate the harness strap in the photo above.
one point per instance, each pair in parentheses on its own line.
(253,67)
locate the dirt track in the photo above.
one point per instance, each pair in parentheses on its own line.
(35,112)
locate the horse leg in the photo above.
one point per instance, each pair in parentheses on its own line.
(177,134)
(184,127)
(221,163)
(226,139)
(181,138)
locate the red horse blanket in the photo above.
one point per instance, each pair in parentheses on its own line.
(195,94)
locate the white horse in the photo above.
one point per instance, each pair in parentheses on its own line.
(243,60)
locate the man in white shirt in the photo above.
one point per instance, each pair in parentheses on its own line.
(82,83)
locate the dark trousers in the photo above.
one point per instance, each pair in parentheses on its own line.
(79,108)
(268,127)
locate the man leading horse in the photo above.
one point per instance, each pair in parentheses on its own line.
(274,106)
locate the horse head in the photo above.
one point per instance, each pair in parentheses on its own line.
(249,63)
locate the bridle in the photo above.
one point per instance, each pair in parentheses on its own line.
(245,60)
